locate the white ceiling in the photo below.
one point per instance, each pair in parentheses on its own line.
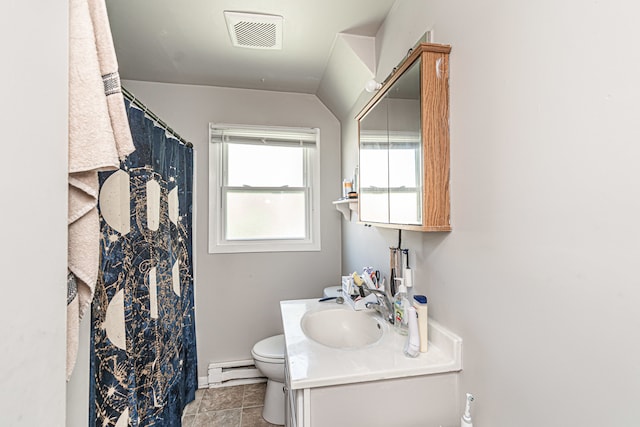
(187,41)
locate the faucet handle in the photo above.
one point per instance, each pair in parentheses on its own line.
(382,305)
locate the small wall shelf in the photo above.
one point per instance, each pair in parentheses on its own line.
(346,206)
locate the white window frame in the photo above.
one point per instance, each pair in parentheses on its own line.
(217,241)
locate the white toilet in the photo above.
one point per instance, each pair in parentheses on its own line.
(268,356)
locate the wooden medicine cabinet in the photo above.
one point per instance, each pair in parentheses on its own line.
(404,146)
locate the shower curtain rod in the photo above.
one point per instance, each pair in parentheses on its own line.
(131,97)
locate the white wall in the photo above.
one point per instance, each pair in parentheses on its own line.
(238,295)
(78,385)
(539,275)
(33,36)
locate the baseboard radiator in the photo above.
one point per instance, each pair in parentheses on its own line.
(235,372)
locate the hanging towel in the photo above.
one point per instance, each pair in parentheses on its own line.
(99,137)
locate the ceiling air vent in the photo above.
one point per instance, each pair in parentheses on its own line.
(254,31)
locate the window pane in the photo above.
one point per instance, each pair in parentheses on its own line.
(265,166)
(374,206)
(255,215)
(374,166)
(404,167)
(405,207)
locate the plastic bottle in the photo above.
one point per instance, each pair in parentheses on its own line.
(400,306)
(412,347)
(420,304)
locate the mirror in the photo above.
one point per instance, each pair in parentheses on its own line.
(374,165)
(391,154)
(404,146)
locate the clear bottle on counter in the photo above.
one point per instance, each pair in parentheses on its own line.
(400,306)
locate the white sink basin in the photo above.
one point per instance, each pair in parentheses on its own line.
(342,328)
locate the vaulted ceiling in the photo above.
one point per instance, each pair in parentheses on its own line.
(328,46)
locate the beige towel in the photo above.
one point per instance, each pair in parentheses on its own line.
(99,137)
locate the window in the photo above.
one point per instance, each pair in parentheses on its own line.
(263,189)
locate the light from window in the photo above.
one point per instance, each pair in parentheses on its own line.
(263,189)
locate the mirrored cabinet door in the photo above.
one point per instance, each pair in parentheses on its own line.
(405,148)
(374,165)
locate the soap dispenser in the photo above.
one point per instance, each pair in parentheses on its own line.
(400,306)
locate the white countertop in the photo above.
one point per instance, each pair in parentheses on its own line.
(314,365)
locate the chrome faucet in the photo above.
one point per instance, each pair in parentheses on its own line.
(382,306)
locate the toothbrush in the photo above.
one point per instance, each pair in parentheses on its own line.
(465,420)
(359,282)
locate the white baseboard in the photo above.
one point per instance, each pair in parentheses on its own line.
(235,372)
(231,383)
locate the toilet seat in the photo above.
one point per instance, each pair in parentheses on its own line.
(269,350)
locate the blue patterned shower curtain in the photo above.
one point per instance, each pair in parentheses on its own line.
(143,345)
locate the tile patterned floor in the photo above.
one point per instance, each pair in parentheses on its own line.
(236,406)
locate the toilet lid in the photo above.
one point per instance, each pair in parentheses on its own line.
(332,291)
(272,347)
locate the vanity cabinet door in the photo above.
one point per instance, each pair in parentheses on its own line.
(404,146)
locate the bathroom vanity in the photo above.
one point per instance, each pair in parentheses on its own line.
(372,384)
